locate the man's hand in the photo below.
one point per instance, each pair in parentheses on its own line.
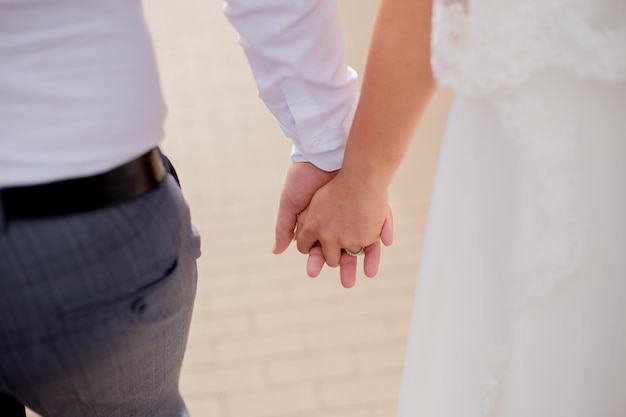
(302,181)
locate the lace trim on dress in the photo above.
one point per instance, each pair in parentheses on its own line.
(550,237)
(479,46)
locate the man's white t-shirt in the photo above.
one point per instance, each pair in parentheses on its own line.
(79,92)
(79,89)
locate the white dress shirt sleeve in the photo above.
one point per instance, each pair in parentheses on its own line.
(296,50)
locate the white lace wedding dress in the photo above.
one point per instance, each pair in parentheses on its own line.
(520,306)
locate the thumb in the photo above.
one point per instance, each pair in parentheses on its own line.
(285,225)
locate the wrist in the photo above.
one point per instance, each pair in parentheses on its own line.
(361,181)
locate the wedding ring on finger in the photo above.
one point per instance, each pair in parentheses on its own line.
(357,253)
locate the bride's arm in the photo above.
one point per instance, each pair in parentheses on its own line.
(397,87)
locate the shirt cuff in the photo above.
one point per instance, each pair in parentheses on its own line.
(326,161)
(324,148)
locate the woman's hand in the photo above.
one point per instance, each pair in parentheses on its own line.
(345,213)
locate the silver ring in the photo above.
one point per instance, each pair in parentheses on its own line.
(359,253)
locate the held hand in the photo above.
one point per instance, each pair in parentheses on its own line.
(347,263)
(344,215)
(302,181)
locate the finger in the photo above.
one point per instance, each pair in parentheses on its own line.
(347,270)
(332,254)
(386,234)
(306,239)
(316,261)
(284,230)
(371,260)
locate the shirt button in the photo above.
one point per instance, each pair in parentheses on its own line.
(315,142)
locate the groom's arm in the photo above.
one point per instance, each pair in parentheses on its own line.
(296,50)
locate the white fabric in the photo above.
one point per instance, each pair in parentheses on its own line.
(297,53)
(480,45)
(483,342)
(519,304)
(79,90)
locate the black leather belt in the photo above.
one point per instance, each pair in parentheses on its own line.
(84,194)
